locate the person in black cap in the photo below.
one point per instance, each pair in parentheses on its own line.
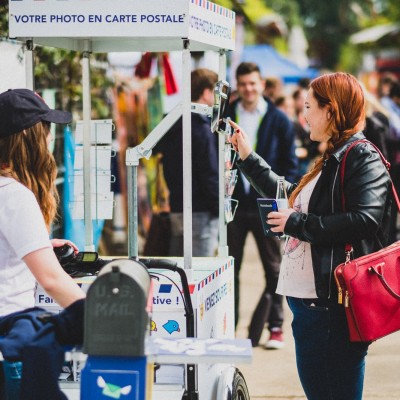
(28,204)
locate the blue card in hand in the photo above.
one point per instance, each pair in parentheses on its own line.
(265,206)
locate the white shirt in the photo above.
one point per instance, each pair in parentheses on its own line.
(296,277)
(250,121)
(22,231)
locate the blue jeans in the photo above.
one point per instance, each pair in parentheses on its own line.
(204,234)
(330,367)
(12,377)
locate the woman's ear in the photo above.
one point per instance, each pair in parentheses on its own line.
(328,115)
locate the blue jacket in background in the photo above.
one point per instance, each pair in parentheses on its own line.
(204,165)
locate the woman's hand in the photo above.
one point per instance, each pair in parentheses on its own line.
(240,141)
(279,219)
(61,242)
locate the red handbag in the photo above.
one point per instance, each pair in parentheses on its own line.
(369,286)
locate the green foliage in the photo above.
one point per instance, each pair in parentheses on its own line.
(390,9)
(287,9)
(61,69)
(3,18)
(329,24)
(326,30)
(349,59)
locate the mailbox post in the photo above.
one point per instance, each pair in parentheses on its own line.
(116,326)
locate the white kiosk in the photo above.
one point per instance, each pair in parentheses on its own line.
(135,25)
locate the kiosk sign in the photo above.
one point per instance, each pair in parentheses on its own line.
(200,20)
(93,18)
(207,19)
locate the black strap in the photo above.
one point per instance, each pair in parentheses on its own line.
(349,247)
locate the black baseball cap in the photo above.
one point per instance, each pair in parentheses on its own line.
(22,108)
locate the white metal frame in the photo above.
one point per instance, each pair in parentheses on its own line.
(189,38)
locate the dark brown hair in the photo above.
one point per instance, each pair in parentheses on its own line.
(201,79)
(25,157)
(246,68)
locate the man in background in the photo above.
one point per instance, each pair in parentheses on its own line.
(272,135)
(204,173)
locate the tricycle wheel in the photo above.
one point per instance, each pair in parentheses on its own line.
(232,385)
(240,391)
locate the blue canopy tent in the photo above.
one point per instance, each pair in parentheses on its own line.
(271,63)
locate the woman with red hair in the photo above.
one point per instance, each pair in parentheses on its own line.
(317,228)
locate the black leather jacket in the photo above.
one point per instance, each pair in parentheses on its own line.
(365,224)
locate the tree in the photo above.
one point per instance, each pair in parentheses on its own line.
(329,24)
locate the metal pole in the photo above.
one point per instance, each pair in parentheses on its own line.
(29,65)
(187,155)
(223,237)
(133,250)
(191,369)
(89,246)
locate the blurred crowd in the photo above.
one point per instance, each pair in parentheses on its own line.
(382,123)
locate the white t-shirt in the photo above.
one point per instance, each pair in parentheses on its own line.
(250,122)
(296,277)
(22,231)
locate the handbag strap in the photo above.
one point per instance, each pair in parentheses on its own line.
(342,171)
(378,270)
(349,247)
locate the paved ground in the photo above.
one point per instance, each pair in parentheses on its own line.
(273,375)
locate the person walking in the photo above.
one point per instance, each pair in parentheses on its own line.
(328,364)
(28,205)
(271,133)
(205,193)
(391,103)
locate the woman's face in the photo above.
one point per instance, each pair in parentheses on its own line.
(49,137)
(317,118)
(250,87)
